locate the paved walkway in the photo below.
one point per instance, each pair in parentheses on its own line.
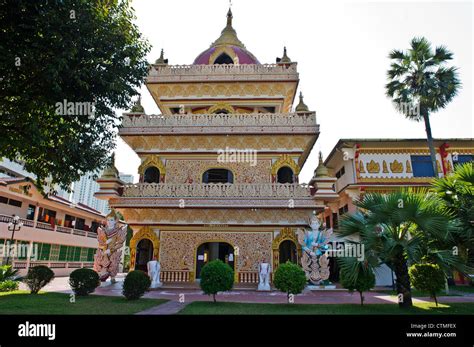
(189,294)
(170,307)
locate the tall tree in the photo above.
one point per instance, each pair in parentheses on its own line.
(420,83)
(399,229)
(65,65)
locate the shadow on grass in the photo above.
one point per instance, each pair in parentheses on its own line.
(232,308)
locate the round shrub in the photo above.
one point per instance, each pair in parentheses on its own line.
(216,276)
(365,281)
(84,281)
(136,284)
(427,278)
(8,286)
(290,279)
(38,277)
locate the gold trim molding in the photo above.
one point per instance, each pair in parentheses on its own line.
(152,160)
(285,160)
(144,233)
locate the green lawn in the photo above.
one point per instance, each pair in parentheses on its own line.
(21,302)
(463,289)
(232,308)
(416,293)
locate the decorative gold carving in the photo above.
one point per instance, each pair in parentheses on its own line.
(144,233)
(214,216)
(190,171)
(396,166)
(252,247)
(361,167)
(221,106)
(373,167)
(285,160)
(384,165)
(408,165)
(438,166)
(152,160)
(216,142)
(223,49)
(285,234)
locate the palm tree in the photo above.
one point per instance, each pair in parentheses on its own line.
(420,84)
(399,229)
(456,191)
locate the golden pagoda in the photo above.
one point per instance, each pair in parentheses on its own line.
(220,164)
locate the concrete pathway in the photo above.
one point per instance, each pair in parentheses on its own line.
(177,293)
(170,307)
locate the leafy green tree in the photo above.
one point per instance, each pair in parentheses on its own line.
(87,55)
(37,277)
(216,276)
(420,83)
(364,281)
(402,228)
(290,279)
(427,278)
(456,191)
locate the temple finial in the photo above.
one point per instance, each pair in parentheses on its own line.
(301,107)
(161,60)
(229,17)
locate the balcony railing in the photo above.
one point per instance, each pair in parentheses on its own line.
(47,226)
(219,190)
(225,123)
(222,72)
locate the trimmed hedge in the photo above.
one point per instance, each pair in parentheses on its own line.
(84,281)
(136,284)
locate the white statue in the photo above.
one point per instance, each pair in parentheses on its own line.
(154,268)
(264,276)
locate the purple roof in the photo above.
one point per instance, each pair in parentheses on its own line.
(245,57)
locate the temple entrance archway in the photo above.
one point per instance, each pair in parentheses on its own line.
(136,247)
(288,252)
(144,254)
(209,251)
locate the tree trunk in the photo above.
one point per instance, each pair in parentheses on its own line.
(435,299)
(361,299)
(403,281)
(426,118)
(214,297)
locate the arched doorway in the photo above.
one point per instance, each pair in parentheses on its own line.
(211,251)
(224,58)
(152,175)
(144,254)
(285,175)
(288,252)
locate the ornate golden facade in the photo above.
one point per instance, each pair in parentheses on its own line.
(190,206)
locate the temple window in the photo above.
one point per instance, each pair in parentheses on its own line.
(218,176)
(224,59)
(152,175)
(285,175)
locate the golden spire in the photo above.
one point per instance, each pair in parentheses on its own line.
(138,108)
(285,59)
(301,107)
(228,34)
(110,171)
(161,60)
(321,170)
